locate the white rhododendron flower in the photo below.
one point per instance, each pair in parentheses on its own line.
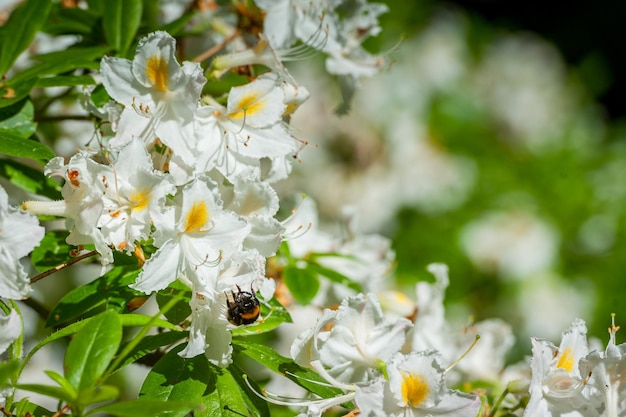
(360,339)
(194,238)
(557,386)
(208,333)
(249,128)
(82,203)
(415,388)
(134,194)
(10,329)
(160,95)
(607,369)
(20,233)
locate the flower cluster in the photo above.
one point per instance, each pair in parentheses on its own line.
(577,381)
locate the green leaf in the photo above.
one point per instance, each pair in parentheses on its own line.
(139,320)
(65,81)
(52,250)
(120,21)
(21,123)
(335,276)
(268,357)
(91,53)
(151,343)
(63,383)
(181,310)
(99,96)
(20,30)
(15,145)
(54,68)
(7,370)
(91,350)
(74,21)
(15,91)
(48,391)
(99,394)
(146,407)
(29,179)
(24,408)
(256,406)
(110,291)
(225,398)
(303,283)
(179,379)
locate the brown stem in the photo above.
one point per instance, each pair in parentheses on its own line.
(215,49)
(61,266)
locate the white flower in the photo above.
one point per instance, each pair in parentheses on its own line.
(248,129)
(82,202)
(208,333)
(607,370)
(160,95)
(134,194)
(514,244)
(20,233)
(194,239)
(10,329)
(415,388)
(556,386)
(258,203)
(360,340)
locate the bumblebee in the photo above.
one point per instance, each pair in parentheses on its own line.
(244,307)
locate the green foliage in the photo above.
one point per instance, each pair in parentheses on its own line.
(20,30)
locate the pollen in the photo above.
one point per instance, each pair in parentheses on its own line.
(248,105)
(197,218)
(140,199)
(566,361)
(414,389)
(72,176)
(156,70)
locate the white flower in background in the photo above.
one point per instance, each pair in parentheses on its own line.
(134,194)
(193,239)
(258,203)
(486,359)
(20,233)
(607,369)
(82,203)
(513,244)
(320,26)
(10,329)
(249,128)
(208,333)
(557,386)
(431,331)
(351,343)
(160,95)
(415,388)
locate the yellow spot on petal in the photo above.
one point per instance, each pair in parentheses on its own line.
(566,361)
(414,389)
(156,70)
(247,106)
(140,199)
(197,218)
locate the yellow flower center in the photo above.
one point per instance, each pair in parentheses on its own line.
(566,361)
(139,200)
(414,389)
(156,70)
(247,106)
(197,217)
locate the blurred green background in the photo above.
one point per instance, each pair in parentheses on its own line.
(494,143)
